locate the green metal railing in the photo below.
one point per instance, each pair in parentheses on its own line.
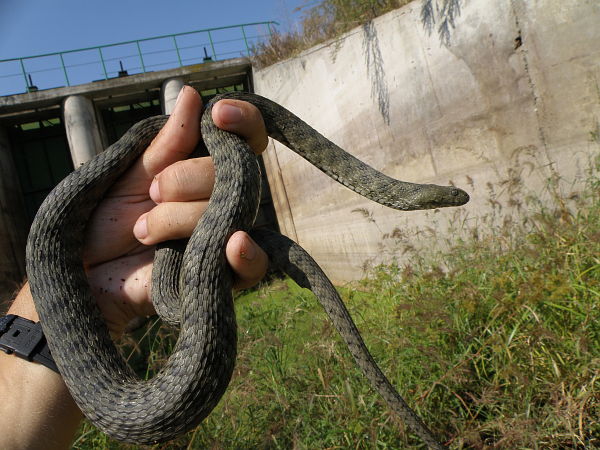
(84,65)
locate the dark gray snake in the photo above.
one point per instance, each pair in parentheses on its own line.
(197,373)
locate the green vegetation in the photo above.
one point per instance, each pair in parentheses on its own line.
(327,19)
(500,349)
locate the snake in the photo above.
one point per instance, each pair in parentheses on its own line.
(197,280)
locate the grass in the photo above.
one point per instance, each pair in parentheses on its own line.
(495,342)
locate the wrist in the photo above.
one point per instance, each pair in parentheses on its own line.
(35,400)
(23,305)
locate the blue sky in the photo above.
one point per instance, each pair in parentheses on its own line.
(33,27)
(30,27)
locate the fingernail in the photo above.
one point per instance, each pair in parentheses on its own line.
(140,229)
(230,114)
(154,191)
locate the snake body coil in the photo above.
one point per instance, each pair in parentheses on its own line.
(197,373)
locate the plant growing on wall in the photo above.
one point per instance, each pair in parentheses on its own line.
(328,19)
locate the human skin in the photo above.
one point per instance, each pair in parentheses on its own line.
(160,197)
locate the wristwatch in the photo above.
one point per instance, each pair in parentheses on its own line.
(25,339)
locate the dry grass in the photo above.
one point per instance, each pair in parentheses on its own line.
(321,22)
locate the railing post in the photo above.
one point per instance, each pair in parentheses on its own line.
(62,61)
(245,40)
(24,74)
(212,45)
(177,50)
(141,57)
(103,65)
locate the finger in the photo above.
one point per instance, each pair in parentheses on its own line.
(243,119)
(248,261)
(166,221)
(174,142)
(192,179)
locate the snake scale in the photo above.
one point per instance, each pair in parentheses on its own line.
(195,377)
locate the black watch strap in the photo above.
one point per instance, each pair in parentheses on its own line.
(26,340)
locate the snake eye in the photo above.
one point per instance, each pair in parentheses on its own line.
(454,192)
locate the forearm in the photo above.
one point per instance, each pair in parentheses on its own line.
(36,409)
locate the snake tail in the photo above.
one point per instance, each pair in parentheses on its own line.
(287,256)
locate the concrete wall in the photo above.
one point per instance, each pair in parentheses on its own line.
(513,100)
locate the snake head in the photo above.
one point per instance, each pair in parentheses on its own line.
(431,196)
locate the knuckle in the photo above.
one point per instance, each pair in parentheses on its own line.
(187,180)
(173,220)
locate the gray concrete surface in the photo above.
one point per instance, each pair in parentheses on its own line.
(83,131)
(512,102)
(202,76)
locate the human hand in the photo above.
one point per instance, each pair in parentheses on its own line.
(161,197)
